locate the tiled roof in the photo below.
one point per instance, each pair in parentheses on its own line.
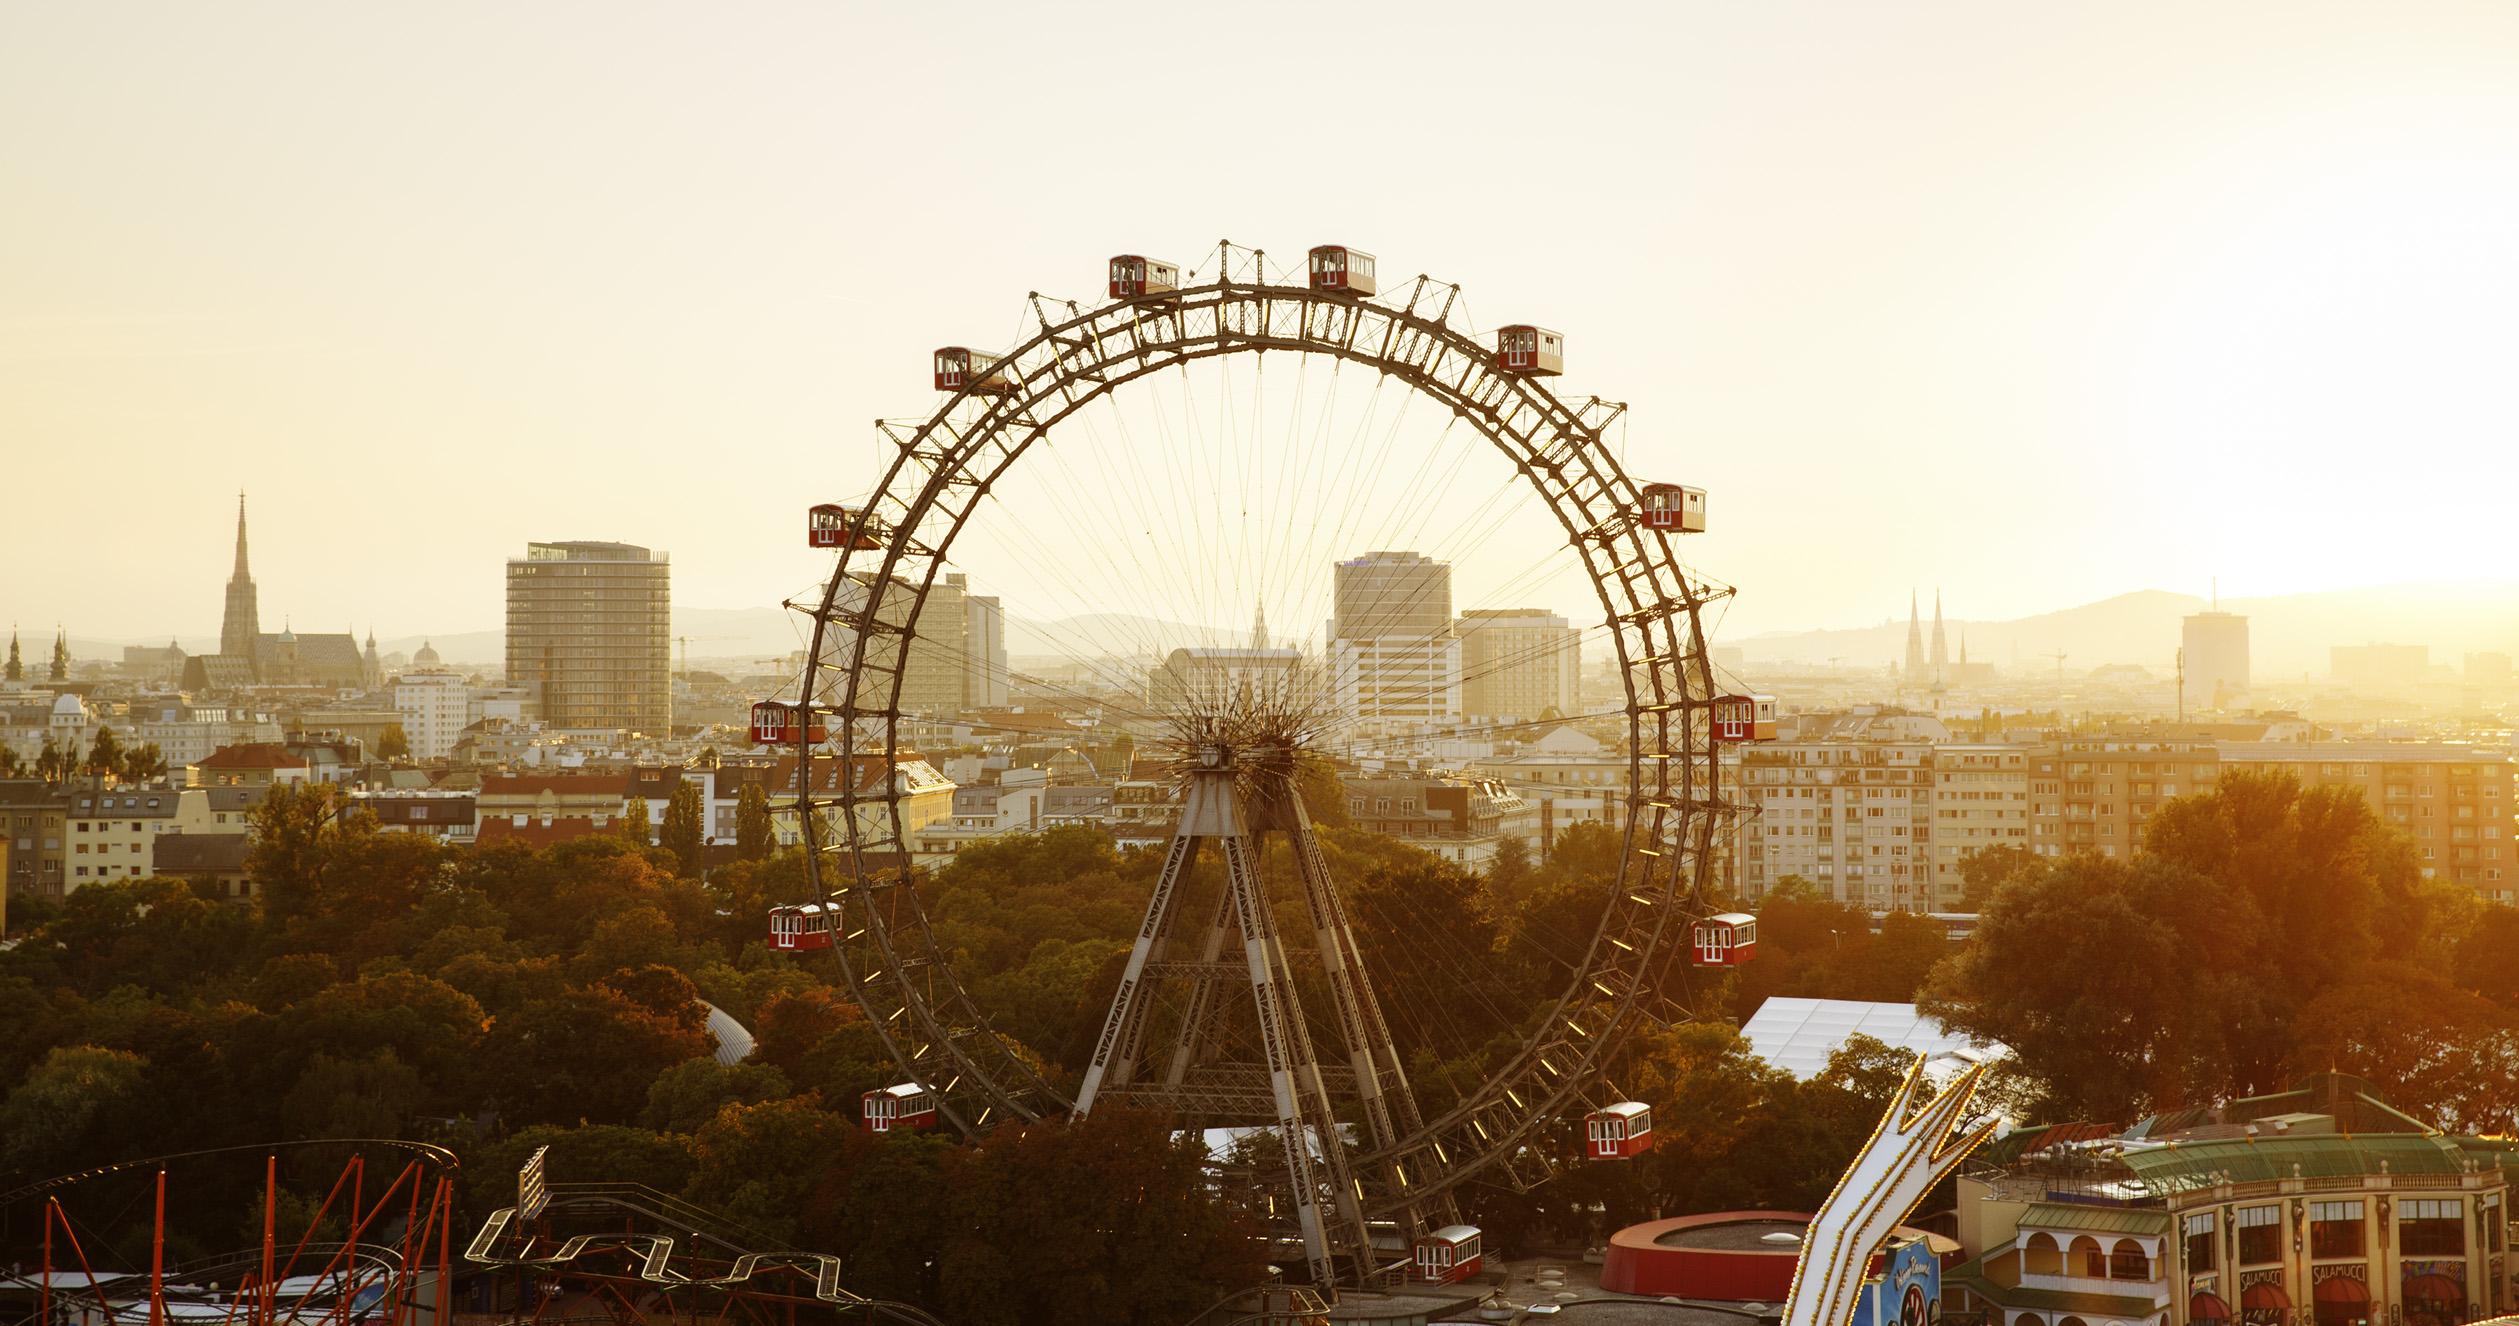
(2103,1219)
(556,784)
(253,755)
(2176,1168)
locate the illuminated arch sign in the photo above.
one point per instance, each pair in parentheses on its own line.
(1914,1147)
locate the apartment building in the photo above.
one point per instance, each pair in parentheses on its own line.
(1854,817)
(2099,794)
(1980,800)
(113,831)
(1461,819)
(36,820)
(2453,800)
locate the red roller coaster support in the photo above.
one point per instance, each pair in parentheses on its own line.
(157,1257)
(270,1231)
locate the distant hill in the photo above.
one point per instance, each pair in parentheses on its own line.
(2289,635)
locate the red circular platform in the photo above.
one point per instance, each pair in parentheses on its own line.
(1723,1256)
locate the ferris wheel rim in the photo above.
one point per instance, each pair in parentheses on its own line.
(1413,348)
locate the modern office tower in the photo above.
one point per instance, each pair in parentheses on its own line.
(1518,664)
(1394,663)
(2216,659)
(590,625)
(987,684)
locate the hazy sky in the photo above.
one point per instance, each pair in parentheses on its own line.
(2036,302)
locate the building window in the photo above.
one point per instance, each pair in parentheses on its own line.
(2335,1229)
(2128,1261)
(2431,1229)
(2260,1235)
(2201,1245)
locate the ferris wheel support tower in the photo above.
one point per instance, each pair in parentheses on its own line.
(1234,793)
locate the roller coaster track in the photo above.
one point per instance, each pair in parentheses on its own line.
(652,1254)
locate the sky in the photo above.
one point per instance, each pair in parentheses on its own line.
(2034,303)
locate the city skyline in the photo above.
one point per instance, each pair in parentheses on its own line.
(2164,333)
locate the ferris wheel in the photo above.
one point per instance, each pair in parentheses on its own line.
(1229,1013)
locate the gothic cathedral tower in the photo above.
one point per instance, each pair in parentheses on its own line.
(241,629)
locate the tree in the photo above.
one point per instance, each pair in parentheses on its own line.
(2432,1049)
(298,832)
(1509,876)
(770,1166)
(1987,869)
(104,754)
(588,1054)
(55,764)
(1107,1219)
(2068,970)
(393,743)
(753,835)
(1425,926)
(12,764)
(684,835)
(82,1104)
(686,1096)
(635,826)
(142,763)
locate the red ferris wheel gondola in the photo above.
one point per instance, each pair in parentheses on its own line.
(1618,1132)
(778,723)
(1674,508)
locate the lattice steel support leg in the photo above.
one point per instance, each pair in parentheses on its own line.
(1325,1200)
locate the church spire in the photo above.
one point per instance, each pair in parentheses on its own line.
(1941,644)
(240,629)
(17,665)
(1915,642)
(1259,626)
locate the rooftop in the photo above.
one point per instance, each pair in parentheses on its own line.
(1799,1035)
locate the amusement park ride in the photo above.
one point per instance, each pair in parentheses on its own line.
(1207,1022)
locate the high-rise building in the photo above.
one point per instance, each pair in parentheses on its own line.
(1394,663)
(988,684)
(1518,664)
(1385,594)
(939,669)
(2216,659)
(590,625)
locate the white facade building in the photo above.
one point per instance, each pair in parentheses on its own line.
(435,707)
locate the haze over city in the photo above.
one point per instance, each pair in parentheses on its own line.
(2049,305)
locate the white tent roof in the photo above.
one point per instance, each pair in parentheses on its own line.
(1798,1035)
